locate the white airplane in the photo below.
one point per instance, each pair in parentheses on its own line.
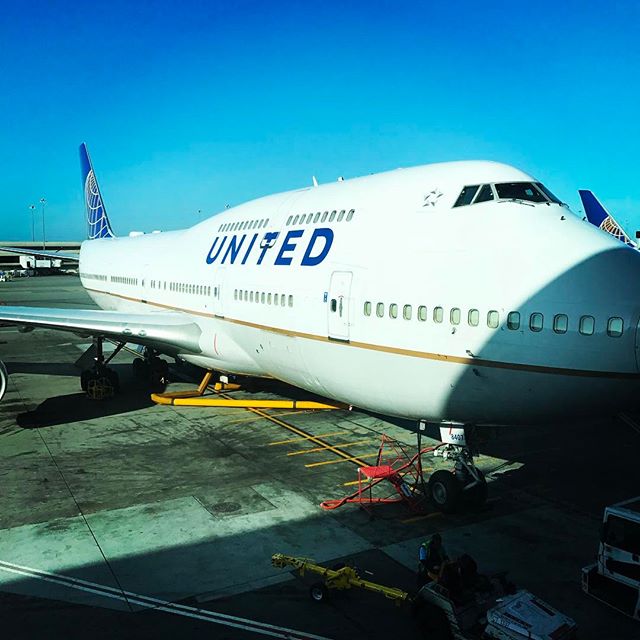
(461,291)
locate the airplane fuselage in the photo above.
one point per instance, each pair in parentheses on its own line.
(379,293)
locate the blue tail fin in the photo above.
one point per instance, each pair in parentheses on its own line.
(98,225)
(598,216)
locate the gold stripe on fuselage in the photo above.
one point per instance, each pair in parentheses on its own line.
(475,362)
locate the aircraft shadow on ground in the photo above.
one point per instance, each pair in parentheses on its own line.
(43,368)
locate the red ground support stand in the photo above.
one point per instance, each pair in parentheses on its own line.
(394,464)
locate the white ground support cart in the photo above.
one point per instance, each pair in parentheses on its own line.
(615,578)
(487,611)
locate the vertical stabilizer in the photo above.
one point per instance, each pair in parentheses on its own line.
(98,225)
(598,216)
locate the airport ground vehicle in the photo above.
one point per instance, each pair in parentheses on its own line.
(615,578)
(479,608)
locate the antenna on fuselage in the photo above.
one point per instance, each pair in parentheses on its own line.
(315,182)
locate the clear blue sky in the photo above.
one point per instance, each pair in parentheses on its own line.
(188,106)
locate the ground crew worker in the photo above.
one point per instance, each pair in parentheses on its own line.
(431,557)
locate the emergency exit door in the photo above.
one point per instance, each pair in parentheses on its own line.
(338,305)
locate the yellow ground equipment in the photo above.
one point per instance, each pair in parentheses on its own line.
(341,578)
(197,398)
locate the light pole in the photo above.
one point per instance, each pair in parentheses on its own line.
(44,241)
(33,222)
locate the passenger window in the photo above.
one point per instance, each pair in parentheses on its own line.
(332,216)
(454,315)
(474,317)
(334,305)
(269,299)
(316,217)
(380,309)
(615,327)
(485,194)
(513,320)
(289,219)
(422,313)
(282,300)
(262,297)
(367,308)
(587,325)
(406,312)
(341,215)
(235,294)
(536,322)
(438,314)
(493,319)
(295,220)
(560,323)
(393,310)
(466,196)
(350,215)
(324,216)
(291,301)
(251,297)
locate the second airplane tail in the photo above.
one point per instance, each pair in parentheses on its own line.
(98,225)
(598,216)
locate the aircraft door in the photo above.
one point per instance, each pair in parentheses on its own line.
(338,305)
(216,292)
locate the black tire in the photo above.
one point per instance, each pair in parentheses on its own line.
(444,491)
(84,379)
(477,495)
(139,367)
(318,592)
(114,378)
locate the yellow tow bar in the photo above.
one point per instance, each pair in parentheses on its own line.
(196,398)
(343,578)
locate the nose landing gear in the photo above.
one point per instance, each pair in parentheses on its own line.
(465,483)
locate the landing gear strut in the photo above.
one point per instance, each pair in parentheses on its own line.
(447,489)
(100,381)
(155,369)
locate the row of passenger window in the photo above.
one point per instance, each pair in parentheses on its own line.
(319,216)
(276,299)
(124,280)
(560,322)
(241,226)
(93,276)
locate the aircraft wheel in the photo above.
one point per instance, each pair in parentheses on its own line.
(318,591)
(139,367)
(444,491)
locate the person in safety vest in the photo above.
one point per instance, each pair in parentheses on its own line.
(431,556)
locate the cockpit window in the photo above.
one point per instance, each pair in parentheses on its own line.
(548,193)
(485,194)
(466,196)
(519,191)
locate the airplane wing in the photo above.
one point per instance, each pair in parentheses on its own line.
(166,331)
(52,255)
(601,218)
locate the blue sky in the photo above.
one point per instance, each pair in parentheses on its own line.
(188,106)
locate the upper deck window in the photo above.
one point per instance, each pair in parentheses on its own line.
(520,191)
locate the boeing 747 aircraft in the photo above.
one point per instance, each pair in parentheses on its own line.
(460,291)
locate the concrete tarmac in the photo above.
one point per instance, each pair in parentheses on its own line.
(106,504)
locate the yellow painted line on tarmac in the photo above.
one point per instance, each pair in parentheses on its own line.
(304,438)
(355,482)
(356,460)
(435,514)
(256,418)
(316,449)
